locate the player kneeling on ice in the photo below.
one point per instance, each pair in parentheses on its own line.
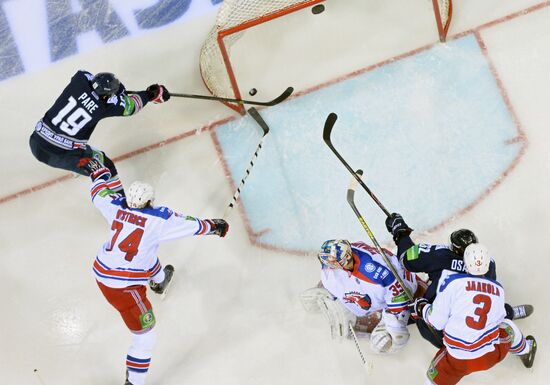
(60,138)
(358,289)
(434,260)
(127,261)
(469,308)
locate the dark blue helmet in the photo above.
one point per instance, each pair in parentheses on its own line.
(460,239)
(105,84)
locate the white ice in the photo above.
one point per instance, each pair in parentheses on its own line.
(233,315)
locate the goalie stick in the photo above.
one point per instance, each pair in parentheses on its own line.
(273,102)
(351,201)
(261,122)
(368,365)
(329,124)
(350,198)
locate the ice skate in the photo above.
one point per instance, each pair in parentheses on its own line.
(127,382)
(522,311)
(160,288)
(528,359)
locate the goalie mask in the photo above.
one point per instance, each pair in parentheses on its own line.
(460,239)
(477,259)
(335,253)
(139,195)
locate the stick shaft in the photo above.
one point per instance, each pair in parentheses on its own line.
(273,102)
(351,201)
(265,128)
(329,124)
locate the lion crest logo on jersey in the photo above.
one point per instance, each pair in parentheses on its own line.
(363,301)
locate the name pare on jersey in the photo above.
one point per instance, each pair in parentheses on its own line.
(482,287)
(87,102)
(134,219)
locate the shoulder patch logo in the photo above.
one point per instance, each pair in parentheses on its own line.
(370,267)
(113,100)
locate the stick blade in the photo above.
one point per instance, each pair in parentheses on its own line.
(329,123)
(286,93)
(258,118)
(353,185)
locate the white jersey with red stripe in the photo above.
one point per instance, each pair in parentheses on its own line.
(470,310)
(371,286)
(129,256)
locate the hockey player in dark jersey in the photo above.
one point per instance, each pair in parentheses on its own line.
(60,138)
(433,259)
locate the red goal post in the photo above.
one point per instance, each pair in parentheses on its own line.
(236,16)
(443,10)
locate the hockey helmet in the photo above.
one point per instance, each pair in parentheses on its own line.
(477,259)
(460,239)
(335,253)
(139,195)
(105,84)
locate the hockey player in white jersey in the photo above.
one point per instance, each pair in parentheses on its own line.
(357,287)
(469,308)
(127,262)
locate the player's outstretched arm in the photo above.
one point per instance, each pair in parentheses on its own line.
(136,100)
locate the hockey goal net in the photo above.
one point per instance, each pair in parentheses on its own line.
(236,16)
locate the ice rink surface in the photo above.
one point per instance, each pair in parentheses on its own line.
(451,135)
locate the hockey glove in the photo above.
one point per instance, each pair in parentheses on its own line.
(218,227)
(397,227)
(157,93)
(95,169)
(417,306)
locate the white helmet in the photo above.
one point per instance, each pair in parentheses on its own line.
(139,194)
(477,259)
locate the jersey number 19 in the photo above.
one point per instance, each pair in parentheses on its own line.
(75,121)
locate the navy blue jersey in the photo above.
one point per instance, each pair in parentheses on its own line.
(78,109)
(433,259)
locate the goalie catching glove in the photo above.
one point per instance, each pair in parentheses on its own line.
(157,93)
(339,318)
(391,334)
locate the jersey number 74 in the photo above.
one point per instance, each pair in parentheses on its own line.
(128,245)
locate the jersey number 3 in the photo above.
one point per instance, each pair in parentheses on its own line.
(128,245)
(481,311)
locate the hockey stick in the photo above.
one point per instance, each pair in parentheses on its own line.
(261,122)
(368,365)
(329,124)
(273,102)
(350,198)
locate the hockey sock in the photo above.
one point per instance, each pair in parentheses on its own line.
(139,356)
(159,277)
(519,346)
